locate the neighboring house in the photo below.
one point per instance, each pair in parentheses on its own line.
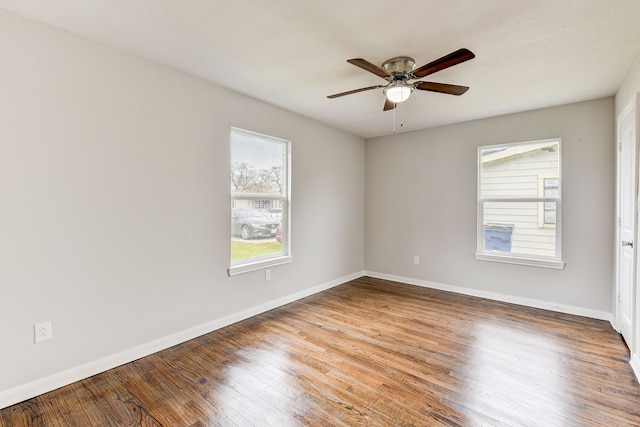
(521,170)
(270,208)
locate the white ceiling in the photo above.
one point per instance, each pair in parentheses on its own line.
(292,53)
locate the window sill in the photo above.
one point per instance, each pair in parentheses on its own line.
(531,262)
(234,270)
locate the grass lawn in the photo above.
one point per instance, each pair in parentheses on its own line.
(240,250)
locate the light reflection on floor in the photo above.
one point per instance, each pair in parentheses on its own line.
(267,376)
(503,367)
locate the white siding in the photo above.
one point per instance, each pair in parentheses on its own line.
(521,176)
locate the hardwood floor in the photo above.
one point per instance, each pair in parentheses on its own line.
(370,353)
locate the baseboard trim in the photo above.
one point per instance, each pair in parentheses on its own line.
(29,390)
(635,365)
(528,302)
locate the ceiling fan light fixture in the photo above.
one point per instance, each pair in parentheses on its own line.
(398,92)
(400,70)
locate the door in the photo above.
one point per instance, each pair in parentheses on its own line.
(626,221)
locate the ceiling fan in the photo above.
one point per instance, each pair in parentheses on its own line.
(399,70)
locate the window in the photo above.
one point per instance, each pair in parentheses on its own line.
(519,203)
(260,221)
(550,189)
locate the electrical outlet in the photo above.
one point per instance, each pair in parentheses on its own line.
(42,332)
(267,275)
(416,259)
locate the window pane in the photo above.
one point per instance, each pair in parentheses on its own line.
(253,233)
(512,227)
(259,198)
(551,183)
(550,216)
(515,170)
(257,164)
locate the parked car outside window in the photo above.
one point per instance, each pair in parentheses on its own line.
(249,223)
(275,213)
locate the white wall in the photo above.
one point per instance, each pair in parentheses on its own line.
(421,200)
(629,92)
(114,206)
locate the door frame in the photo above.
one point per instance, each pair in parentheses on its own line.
(634,103)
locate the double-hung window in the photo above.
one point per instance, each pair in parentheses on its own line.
(519,203)
(260,200)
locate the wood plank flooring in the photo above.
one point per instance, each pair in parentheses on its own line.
(367,353)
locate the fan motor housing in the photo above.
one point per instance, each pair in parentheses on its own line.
(399,65)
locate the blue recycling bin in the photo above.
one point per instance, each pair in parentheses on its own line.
(497,237)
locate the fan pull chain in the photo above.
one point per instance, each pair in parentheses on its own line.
(394,116)
(394,119)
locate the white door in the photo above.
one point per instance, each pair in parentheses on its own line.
(626,220)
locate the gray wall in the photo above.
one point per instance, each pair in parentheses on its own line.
(114,192)
(114,201)
(421,200)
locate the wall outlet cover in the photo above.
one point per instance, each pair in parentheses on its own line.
(42,332)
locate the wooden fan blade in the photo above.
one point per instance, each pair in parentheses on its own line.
(368,66)
(454,58)
(442,88)
(389,105)
(354,91)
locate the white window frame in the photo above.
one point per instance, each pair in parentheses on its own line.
(555,262)
(257,263)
